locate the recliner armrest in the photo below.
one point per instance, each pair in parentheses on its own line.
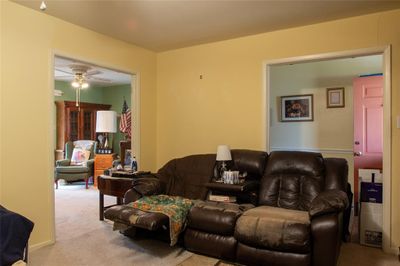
(329,201)
(63,162)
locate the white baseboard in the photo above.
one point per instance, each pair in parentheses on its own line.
(40,245)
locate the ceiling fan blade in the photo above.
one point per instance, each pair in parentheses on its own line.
(99,79)
(93,72)
(66,72)
(63,76)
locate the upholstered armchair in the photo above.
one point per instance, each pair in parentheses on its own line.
(78,162)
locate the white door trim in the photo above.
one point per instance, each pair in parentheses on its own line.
(388,245)
(135,99)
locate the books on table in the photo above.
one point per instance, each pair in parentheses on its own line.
(221,198)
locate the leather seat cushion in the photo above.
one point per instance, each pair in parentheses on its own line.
(72,169)
(275,228)
(215,217)
(130,216)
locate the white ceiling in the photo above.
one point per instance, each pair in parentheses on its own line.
(163,25)
(101,76)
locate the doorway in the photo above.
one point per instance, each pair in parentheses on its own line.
(301,130)
(108,89)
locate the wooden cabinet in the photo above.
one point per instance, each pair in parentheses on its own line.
(101,163)
(76,123)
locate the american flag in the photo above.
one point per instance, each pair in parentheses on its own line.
(125,122)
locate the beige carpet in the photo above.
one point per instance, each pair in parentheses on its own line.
(84,240)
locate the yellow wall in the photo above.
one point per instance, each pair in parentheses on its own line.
(192,115)
(28,39)
(195,115)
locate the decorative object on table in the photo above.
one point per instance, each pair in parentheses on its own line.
(106,122)
(125,122)
(134,165)
(231,177)
(128,159)
(223,155)
(335,97)
(297,108)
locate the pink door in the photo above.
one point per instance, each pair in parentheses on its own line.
(368,126)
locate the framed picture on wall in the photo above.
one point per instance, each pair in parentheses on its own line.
(335,97)
(296,108)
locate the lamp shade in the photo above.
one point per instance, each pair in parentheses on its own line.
(106,121)
(223,153)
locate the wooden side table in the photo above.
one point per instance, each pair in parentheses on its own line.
(246,192)
(112,186)
(101,163)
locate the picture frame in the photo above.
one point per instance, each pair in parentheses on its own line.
(128,158)
(335,98)
(297,108)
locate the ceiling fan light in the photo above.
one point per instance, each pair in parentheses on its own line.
(85,85)
(75,84)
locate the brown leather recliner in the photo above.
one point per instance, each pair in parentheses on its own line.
(298,220)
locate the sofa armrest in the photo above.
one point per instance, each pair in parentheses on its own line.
(63,162)
(326,239)
(131,196)
(329,201)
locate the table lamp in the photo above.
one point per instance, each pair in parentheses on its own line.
(106,122)
(223,155)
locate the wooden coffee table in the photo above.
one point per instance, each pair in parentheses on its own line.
(112,186)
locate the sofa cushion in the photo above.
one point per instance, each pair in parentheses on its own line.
(186,176)
(128,216)
(274,228)
(292,180)
(252,162)
(215,217)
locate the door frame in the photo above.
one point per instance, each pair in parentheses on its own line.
(387,242)
(135,125)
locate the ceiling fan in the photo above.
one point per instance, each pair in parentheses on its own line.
(80,70)
(80,75)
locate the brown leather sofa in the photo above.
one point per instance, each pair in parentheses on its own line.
(297,219)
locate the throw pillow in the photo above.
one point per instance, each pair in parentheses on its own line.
(80,156)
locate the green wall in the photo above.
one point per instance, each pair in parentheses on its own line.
(90,95)
(113,95)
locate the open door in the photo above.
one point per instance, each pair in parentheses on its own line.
(368,126)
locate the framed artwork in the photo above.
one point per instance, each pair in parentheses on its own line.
(335,97)
(296,108)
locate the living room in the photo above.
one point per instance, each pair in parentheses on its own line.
(191,99)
